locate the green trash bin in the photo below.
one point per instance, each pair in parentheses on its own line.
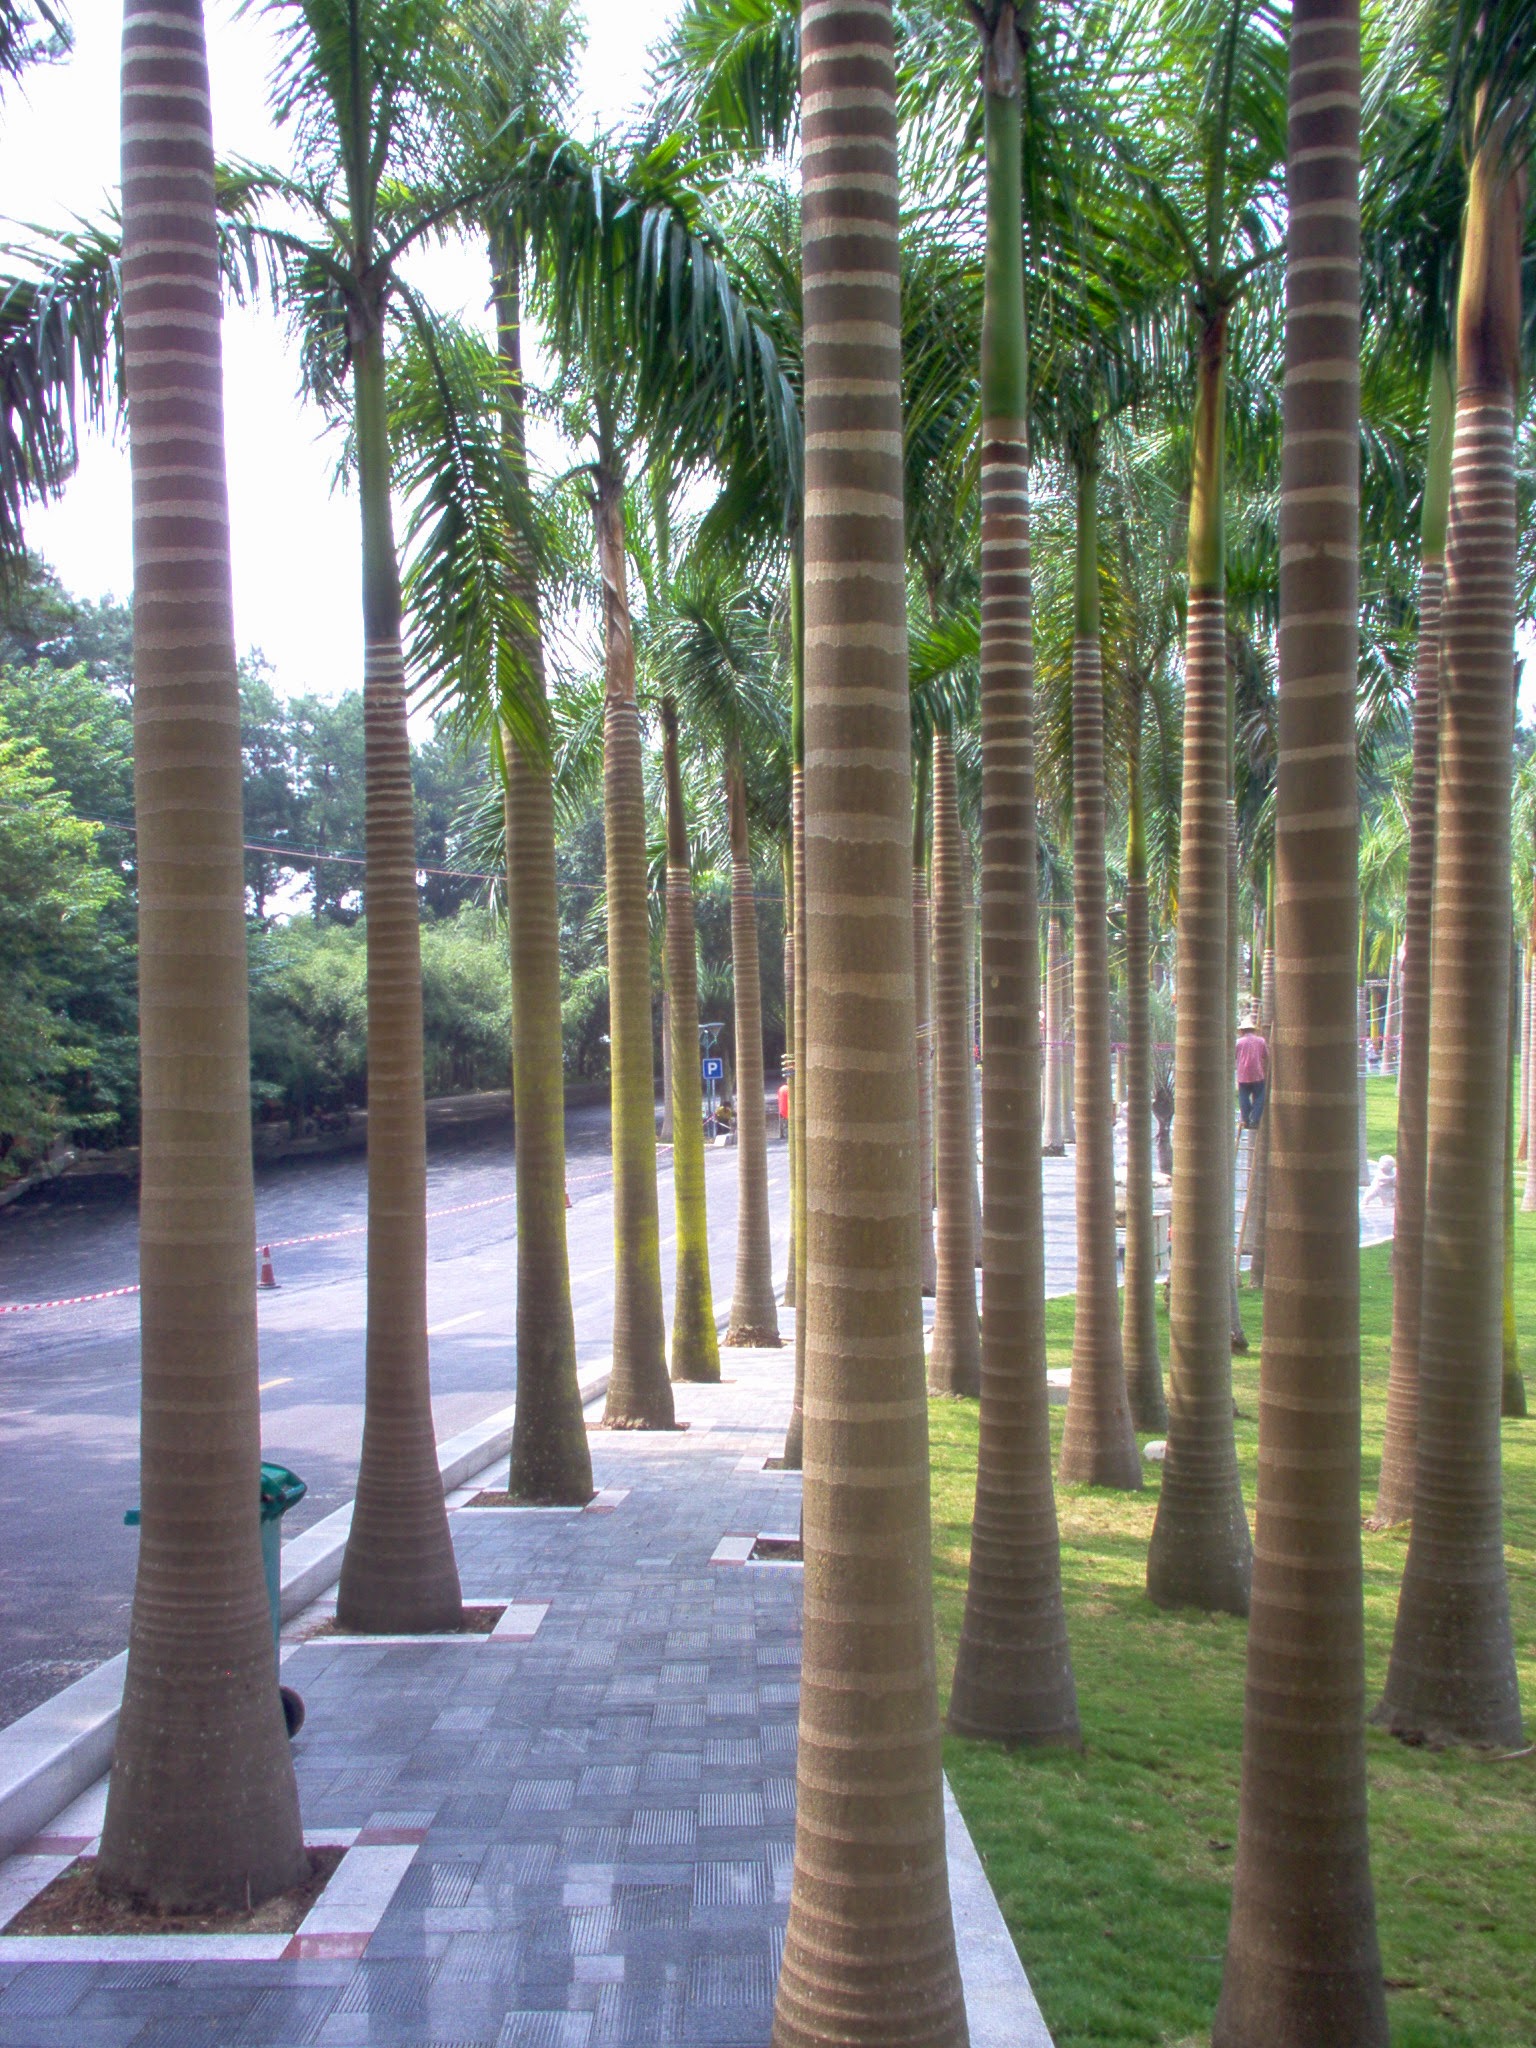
(280,1491)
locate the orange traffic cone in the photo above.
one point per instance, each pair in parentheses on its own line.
(268,1277)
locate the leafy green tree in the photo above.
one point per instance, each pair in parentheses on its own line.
(56,899)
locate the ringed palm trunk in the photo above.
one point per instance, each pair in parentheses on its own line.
(1138,1330)
(551,1465)
(1394,1495)
(639,1392)
(202,1810)
(1255,1231)
(398,1574)
(1200,1553)
(1098,1445)
(788,1296)
(1053,1139)
(954,1366)
(1452,1670)
(754,1310)
(1512,1391)
(695,1342)
(869,1955)
(1527,1042)
(1234,982)
(972,1036)
(1013,1671)
(1303,1969)
(922,954)
(794,1436)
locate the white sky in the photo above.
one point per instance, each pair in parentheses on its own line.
(295,536)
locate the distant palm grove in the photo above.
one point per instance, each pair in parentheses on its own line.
(977,547)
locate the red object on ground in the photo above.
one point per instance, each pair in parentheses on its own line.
(783,1100)
(567,1198)
(268,1277)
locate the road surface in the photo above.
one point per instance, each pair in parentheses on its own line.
(69,1377)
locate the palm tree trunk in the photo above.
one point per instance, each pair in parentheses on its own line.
(1528,1069)
(1066,1070)
(794,1437)
(972,1037)
(1452,1670)
(1138,1330)
(1256,1211)
(639,1392)
(788,1296)
(1389,1026)
(1200,1554)
(551,1465)
(754,1310)
(1523,1056)
(1234,981)
(922,953)
(666,1128)
(1512,1391)
(1098,1444)
(202,1810)
(1053,1140)
(1303,1969)
(1013,1672)
(1394,1495)
(695,1343)
(954,1366)
(869,1954)
(398,1574)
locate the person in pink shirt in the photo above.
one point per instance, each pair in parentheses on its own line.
(1252,1073)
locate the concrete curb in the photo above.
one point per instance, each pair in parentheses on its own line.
(51,1755)
(1000,2004)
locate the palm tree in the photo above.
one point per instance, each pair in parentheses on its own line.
(1098,1445)
(754,1314)
(640,299)
(1452,1669)
(639,1392)
(695,1345)
(869,1956)
(202,1809)
(1394,1496)
(1302,1967)
(362,83)
(1138,1332)
(551,1463)
(714,652)
(1013,1670)
(1214,102)
(954,1365)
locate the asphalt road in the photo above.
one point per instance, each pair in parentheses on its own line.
(69,1377)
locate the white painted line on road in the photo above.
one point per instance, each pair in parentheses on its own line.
(285,1381)
(454,1322)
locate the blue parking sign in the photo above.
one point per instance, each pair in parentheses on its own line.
(714,1070)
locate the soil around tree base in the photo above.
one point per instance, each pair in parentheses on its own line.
(499,1497)
(473,1621)
(75,1904)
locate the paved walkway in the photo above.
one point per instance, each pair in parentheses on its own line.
(579,1832)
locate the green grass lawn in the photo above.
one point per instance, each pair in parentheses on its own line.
(1113,1867)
